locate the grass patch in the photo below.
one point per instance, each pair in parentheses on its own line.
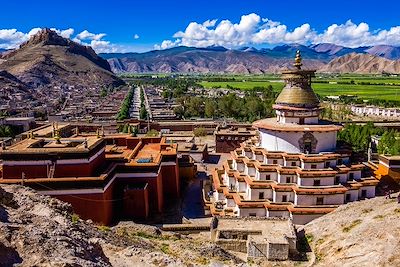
(309,238)
(318,257)
(319,241)
(379,217)
(365,211)
(74,218)
(104,228)
(203,261)
(351,226)
(144,235)
(165,248)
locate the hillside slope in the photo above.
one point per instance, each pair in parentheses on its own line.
(364,233)
(37,230)
(48,59)
(362,64)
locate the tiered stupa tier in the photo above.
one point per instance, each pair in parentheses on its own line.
(294,168)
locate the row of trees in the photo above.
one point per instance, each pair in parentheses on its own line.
(126,104)
(359,137)
(174,87)
(249,108)
(143,112)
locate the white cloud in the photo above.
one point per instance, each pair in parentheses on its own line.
(167,44)
(252,29)
(65,33)
(86,35)
(136,36)
(10,38)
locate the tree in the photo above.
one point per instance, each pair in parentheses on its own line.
(152,133)
(210,108)
(200,132)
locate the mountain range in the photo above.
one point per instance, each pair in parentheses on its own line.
(49,60)
(323,57)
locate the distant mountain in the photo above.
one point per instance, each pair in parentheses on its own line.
(241,60)
(330,49)
(203,60)
(386,51)
(48,59)
(361,63)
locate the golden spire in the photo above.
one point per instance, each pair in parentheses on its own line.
(57,136)
(297,60)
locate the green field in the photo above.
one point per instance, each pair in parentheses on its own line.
(389,90)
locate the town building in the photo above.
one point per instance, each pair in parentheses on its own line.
(374,111)
(228,139)
(293,169)
(106,178)
(388,169)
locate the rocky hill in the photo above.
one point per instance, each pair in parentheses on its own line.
(364,233)
(48,59)
(249,59)
(361,63)
(36,230)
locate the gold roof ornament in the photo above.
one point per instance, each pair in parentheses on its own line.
(298,91)
(297,60)
(98,133)
(57,136)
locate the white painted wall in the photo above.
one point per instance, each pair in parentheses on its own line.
(273,176)
(278,213)
(289,141)
(254,193)
(310,181)
(311,200)
(370,191)
(245,212)
(283,177)
(353,195)
(277,196)
(272,160)
(307,165)
(304,218)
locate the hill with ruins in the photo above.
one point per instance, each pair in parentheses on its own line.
(48,60)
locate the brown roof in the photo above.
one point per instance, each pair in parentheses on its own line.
(272,124)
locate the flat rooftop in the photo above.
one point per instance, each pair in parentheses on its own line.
(47,130)
(50,145)
(237,131)
(272,124)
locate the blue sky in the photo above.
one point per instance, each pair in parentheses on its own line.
(156,21)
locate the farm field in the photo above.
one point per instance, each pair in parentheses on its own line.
(378,88)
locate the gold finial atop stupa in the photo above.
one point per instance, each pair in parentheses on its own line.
(297,60)
(57,136)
